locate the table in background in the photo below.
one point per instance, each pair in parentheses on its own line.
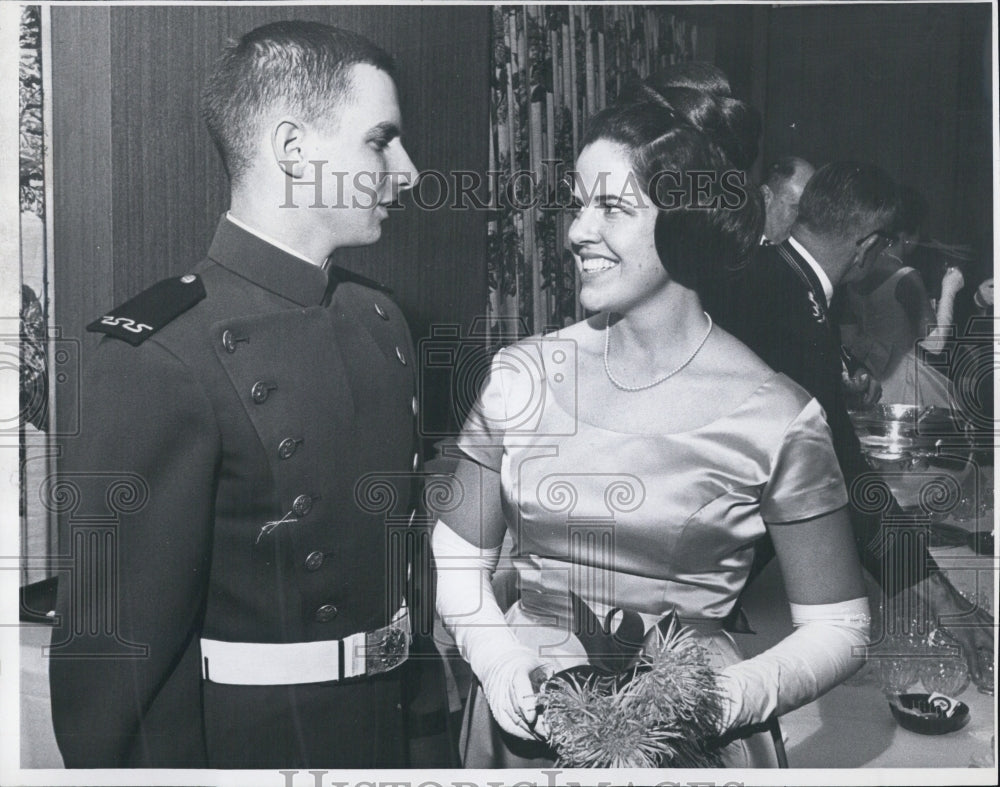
(851,726)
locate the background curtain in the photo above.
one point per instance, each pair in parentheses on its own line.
(36,340)
(553,67)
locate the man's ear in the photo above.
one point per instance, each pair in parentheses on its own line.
(864,251)
(287,147)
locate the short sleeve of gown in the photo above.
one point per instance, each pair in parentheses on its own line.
(805,480)
(483,431)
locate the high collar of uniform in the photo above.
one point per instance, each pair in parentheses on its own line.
(267,266)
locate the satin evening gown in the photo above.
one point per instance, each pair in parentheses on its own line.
(644,522)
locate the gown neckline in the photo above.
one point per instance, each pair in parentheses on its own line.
(694,430)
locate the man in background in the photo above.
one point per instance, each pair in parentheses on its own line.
(780,309)
(256,605)
(782,190)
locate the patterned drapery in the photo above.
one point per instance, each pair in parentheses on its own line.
(553,67)
(36,338)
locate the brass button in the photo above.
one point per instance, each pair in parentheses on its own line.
(189,279)
(230,340)
(416,461)
(415,406)
(381,312)
(288,447)
(402,358)
(261,391)
(302,505)
(313,562)
(326,613)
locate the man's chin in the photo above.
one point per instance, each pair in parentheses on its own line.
(366,239)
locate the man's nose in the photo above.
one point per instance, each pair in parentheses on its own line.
(404,171)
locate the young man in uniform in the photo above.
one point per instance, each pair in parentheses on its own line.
(248,610)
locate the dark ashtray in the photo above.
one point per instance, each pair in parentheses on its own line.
(915,713)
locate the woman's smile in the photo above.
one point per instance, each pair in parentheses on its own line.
(595,264)
(612,232)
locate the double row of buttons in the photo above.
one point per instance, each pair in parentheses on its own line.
(260,391)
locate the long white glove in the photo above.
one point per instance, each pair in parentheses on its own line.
(824,650)
(469,610)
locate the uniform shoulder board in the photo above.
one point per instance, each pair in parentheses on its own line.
(344,275)
(149,311)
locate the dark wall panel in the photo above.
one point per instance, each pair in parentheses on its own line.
(904,86)
(82,152)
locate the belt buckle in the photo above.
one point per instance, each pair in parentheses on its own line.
(388,647)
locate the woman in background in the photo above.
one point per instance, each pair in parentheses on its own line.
(649,423)
(889,321)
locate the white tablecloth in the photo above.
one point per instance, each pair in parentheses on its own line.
(851,726)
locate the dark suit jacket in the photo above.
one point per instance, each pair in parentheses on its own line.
(778,308)
(257,405)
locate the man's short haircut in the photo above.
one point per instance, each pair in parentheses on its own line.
(783,170)
(296,67)
(848,197)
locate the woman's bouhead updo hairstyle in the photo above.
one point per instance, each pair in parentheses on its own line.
(681,146)
(736,127)
(703,76)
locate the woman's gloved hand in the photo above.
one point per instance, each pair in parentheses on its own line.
(469,610)
(827,647)
(513,694)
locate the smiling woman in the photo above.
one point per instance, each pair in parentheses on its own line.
(616,225)
(636,457)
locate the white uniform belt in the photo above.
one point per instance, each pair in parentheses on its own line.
(286,663)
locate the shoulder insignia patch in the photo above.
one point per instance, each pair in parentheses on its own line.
(149,311)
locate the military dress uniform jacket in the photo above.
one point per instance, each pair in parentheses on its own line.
(266,437)
(779,310)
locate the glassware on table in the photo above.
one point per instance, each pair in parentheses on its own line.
(985,682)
(948,675)
(895,674)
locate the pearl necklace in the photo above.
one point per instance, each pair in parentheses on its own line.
(632,388)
